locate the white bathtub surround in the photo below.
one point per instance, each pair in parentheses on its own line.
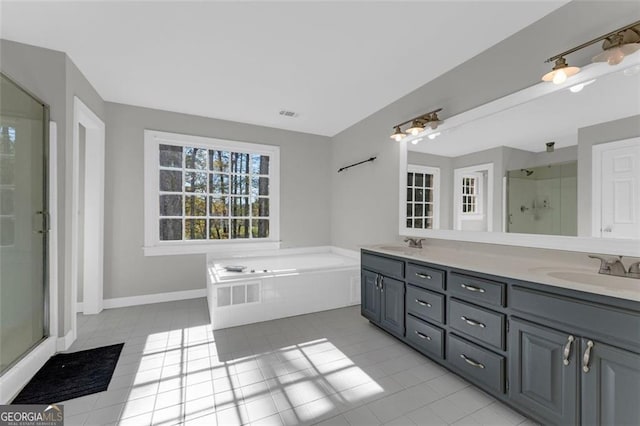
(280,283)
(582,277)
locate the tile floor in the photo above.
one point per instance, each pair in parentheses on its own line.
(330,368)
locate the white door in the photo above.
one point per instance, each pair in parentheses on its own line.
(620,189)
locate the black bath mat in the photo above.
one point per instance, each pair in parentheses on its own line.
(72,375)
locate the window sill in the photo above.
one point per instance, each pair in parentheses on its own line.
(182,249)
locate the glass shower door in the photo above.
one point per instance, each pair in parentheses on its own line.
(23,217)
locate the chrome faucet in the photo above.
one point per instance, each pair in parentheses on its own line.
(414,242)
(615,267)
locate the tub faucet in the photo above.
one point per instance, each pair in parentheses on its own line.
(614,266)
(414,242)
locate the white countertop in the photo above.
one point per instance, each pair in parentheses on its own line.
(521,268)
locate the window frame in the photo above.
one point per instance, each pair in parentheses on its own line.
(435,172)
(152,243)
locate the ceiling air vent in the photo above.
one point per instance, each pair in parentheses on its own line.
(290,114)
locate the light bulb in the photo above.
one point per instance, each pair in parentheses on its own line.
(396,138)
(559,77)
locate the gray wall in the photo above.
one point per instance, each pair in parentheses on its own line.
(365,207)
(305,196)
(616,130)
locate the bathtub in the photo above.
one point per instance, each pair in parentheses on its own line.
(281,283)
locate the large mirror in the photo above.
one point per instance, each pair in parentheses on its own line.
(539,168)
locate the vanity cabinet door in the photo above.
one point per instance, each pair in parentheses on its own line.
(370,295)
(544,372)
(392,312)
(610,385)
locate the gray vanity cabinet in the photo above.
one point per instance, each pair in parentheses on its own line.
(544,371)
(382,297)
(560,356)
(610,385)
(370,296)
(392,306)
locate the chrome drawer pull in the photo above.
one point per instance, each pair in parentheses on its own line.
(472,322)
(421,275)
(567,350)
(422,303)
(586,357)
(471,362)
(423,336)
(472,288)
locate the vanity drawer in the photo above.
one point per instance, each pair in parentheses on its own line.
(479,363)
(590,319)
(384,265)
(425,304)
(426,337)
(480,323)
(426,277)
(477,289)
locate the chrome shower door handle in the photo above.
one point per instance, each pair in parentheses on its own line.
(587,356)
(566,353)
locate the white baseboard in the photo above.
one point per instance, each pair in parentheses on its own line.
(64,343)
(121,302)
(13,380)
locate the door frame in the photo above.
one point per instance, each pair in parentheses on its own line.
(93,210)
(596,179)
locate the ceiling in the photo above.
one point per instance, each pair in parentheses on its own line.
(333,63)
(553,117)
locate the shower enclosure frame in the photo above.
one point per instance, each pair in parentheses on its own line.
(21,369)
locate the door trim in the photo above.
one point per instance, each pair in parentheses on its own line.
(93,212)
(596,180)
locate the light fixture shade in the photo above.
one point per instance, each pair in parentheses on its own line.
(398,135)
(434,122)
(615,55)
(416,128)
(561,71)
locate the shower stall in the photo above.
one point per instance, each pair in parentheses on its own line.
(543,200)
(24,314)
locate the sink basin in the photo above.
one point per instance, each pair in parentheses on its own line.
(579,277)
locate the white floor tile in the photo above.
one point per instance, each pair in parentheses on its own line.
(328,368)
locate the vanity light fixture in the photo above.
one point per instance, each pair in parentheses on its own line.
(398,135)
(617,44)
(418,125)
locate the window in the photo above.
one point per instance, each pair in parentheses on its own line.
(422,197)
(209,191)
(473,198)
(470,186)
